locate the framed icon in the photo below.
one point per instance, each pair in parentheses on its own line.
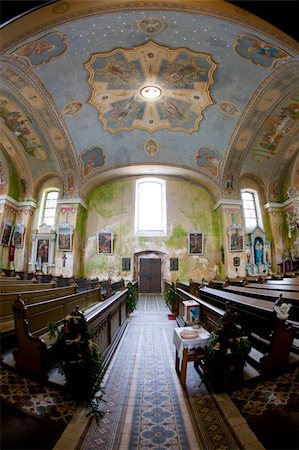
(6,233)
(65,235)
(105,242)
(174,264)
(236,239)
(195,243)
(18,235)
(126,264)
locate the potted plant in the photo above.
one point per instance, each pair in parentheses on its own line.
(171,298)
(79,360)
(132,297)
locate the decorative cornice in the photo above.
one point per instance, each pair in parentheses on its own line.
(71,201)
(227,202)
(288,202)
(26,204)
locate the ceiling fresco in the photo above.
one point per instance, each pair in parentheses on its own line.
(228,92)
(182,79)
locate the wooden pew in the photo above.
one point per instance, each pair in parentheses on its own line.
(31,327)
(29,297)
(16,287)
(275,286)
(272,339)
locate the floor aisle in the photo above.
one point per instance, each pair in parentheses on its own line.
(146,407)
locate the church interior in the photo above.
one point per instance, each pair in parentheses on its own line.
(150,146)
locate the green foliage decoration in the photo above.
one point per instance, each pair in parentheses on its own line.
(132,297)
(170,295)
(78,358)
(227,353)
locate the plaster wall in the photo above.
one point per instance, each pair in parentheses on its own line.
(112,207)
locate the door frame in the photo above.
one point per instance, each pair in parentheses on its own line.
(149,254)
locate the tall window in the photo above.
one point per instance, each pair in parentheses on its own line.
(251,208)
(49,208)
(150,207)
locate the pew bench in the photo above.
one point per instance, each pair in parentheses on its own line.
(18,287)
(29,297)
(272,339)
(33,352)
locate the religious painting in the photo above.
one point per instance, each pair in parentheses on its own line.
(126,264)
(259,52)
(6,233)
(65,235)
(105,242)
(44,49)
(186,77)
(236,239)
(92,158)
(42,254)
(174,264)
(18,235)
(209,159)
(195,243)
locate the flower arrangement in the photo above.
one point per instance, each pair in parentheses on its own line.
(80,360)
(226,353)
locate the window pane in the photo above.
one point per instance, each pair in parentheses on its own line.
(150,207)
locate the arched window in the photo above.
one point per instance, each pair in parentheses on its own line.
(251,209)
(49,206)
(150,207)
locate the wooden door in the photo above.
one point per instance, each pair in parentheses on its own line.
(150,275)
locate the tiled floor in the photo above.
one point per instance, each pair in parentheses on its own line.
(146,406)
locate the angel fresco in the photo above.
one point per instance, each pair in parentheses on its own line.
(259,52)
(42,50)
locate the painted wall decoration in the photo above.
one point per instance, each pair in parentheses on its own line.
(230,185)
(117,78)
(259,52)
(229,108)
(73,108)
(236,239)
(151,25)
(195,243)
(91,159)
(23,128)
(209,159)
(42,50)
(105,242)
(126,264)
(151,146)
(18,235)
(65,235)
(275,128)
(173,264)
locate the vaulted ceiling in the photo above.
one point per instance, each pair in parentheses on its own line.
(73,78)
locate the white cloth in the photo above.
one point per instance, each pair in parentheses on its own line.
(180,343)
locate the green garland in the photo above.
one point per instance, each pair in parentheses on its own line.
(79,359)
(227,353)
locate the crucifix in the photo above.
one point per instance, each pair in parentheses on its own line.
(64,258)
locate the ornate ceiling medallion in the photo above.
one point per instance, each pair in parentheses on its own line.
(151,87)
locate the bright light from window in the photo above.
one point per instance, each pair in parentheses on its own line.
(251,210)
(49,212)
(150,216)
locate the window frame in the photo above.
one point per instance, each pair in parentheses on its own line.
(43,207)
(257,208)
(151,233)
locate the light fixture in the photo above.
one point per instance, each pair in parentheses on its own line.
(151,92)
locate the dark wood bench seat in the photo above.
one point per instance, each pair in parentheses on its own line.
(18,287)
(31,326)
(29,297)
(273,340)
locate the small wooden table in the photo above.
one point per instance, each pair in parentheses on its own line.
(185,348)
